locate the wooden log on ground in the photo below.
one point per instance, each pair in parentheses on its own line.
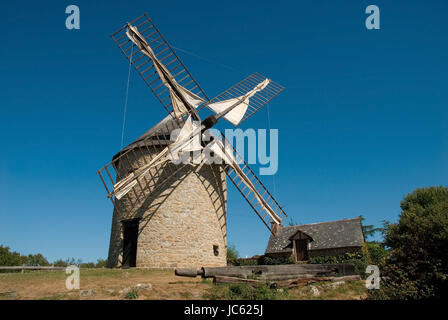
(278,284)
(291,283)
(300,282)
(236,280)
(347,278)
(184,272)
(275,277)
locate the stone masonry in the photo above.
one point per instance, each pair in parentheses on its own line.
(182,221)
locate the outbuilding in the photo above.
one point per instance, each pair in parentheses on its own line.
(317,239)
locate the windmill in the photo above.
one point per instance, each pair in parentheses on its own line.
(169,187)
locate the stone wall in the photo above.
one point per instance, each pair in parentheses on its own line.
(181,220)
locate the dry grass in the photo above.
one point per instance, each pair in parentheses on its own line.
(354,290)
(107,283)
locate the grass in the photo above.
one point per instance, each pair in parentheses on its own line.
(185,295)
(107,283)
(348,291)
(244,292)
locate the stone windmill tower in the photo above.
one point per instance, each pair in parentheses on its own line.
(169,187)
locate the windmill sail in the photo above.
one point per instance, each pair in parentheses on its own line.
(182,100)
(249,96)
(149,34)
(237,105)
(226,154)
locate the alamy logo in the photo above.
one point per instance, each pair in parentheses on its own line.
(373,20)
(72,281)
(254,141)
(373,280)
(73,20)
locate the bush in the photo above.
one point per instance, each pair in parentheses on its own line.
(131,295)
(264,260)
(87,265)
(359,259)
(417,267)
(243,262)
(377,253)
(60,263)
(101,263)
(259,260)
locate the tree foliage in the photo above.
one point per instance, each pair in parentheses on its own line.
(417,267)
(368,230)
(13,258)
(292,222)
(232,253)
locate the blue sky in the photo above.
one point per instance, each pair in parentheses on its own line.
(363,120)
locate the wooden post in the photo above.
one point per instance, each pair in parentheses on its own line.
(23,269)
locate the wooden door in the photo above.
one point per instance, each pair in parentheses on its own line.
(301,249)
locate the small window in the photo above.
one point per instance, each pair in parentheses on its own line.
(216,250)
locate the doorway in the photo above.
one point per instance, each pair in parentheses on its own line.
(130,235)
(301,247)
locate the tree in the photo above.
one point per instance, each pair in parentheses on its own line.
(232,253)
(417,267)
(368,230)
(292,222)
(8,258)
(101,263)
(36,260)
(60,263)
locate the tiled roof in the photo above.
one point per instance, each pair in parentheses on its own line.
(326,235)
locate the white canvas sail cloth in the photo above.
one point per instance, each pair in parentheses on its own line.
(237,105)
(188,140)
(226,154)
(177,92)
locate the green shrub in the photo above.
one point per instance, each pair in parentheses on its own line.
(359,259)
(243,262)
(417,266)
(264,260)
(60,263)
(377,253)
(87,265)
(131,295)
(260,260)
(101,263)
